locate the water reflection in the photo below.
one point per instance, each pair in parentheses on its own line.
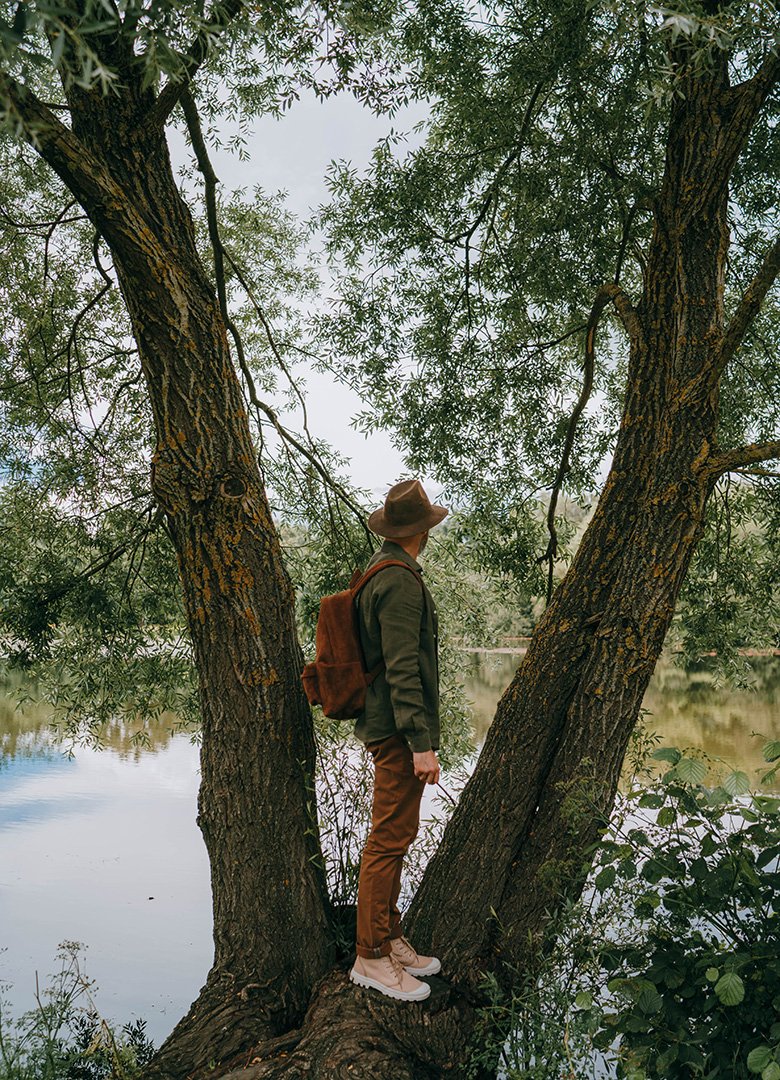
(686,708)
(102,848)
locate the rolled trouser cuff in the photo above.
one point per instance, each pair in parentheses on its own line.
(374,954)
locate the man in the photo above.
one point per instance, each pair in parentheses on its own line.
(400,729)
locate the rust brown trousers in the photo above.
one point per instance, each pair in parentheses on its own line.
(395,819)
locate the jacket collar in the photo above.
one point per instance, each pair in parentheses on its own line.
(391,550)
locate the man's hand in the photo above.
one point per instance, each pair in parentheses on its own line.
(426,767)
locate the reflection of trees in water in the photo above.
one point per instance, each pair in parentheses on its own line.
(29,729)
(688,707)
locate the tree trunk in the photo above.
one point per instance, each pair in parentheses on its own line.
(256,808)
(548,772)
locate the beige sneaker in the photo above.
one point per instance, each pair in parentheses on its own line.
(411,960)
(387,976)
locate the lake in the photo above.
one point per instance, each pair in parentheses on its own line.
(102,848)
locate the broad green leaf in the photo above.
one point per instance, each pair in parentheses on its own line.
(730,989)
(690,770)
(668,753)
(583,1000)
(712,974)
(605,878)
(759,1058)
(771,750)
(650,1001)
(737,783)
(767,804)
(667,815)
(771,1072)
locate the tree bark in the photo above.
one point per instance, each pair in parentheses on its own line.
(256,807)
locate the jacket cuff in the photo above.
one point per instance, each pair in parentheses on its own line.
(419,742)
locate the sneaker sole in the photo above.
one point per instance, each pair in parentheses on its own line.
(399,995)
(432,969)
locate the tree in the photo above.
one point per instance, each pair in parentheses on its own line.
(112,159)
(552,147)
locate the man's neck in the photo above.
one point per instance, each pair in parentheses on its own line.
(410,544)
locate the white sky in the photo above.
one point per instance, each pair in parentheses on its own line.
(293,154)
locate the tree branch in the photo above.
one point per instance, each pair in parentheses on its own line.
(84,174)
(286,436)
(492,188)
(745,100)
(749,306)
(610,293)
(763,80)
(742,457)
(220,17)
(210,181)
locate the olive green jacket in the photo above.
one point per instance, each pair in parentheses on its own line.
(399,624)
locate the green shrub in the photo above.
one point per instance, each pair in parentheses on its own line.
(668,965)
(693,983)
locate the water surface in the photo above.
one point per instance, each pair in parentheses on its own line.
(103,848)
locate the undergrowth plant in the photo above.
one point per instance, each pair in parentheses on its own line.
(65,1038)
(668,965)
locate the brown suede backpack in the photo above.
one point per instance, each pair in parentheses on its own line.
(337,678)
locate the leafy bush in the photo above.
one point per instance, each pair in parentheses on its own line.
(668,965)
(694,985)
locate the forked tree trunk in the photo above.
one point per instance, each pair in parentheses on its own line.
(547,774)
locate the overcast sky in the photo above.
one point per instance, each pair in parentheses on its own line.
(293,154)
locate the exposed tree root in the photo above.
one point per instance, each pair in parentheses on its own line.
(357,1034)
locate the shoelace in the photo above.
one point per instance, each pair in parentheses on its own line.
(411,954)
(396,967)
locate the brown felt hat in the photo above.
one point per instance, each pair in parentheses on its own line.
(407,511)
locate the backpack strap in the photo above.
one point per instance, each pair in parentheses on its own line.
(359,580)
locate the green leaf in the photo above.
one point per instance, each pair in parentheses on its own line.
(667,815)
(759,1058)
(771,751)
(767,804)
(730,989)
(737,783)
(670,753)
(690,770)
(583,1000)
(605,878)
(771,1072)
(712,974)
(649,1001)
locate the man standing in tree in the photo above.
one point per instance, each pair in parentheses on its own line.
(400,729)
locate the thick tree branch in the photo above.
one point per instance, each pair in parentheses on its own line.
(761,83)
(742,457)
(744,102)
(220,17)
(84,174)
(749,306)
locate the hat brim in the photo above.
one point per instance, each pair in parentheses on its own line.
(378,523)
